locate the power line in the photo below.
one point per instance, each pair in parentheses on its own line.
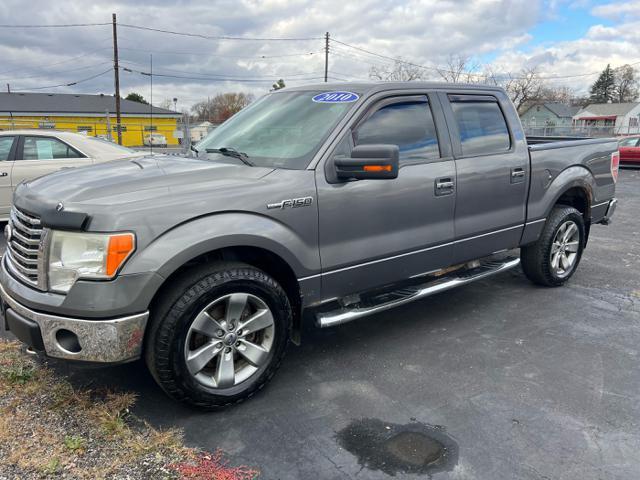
(56,63)
(214,79)
(481,75)
(220,37)
(64,25)
(241,57)
(66,84)
(47,74)
(221,75)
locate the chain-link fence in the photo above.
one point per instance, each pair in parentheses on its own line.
(582,131)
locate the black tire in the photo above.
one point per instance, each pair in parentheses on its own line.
(536,257)
(171,318)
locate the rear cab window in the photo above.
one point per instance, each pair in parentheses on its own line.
(481,125)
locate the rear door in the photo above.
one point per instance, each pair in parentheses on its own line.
(492,164)
(40,155)
(376,232)
(8,145)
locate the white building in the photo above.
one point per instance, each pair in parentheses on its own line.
(613,118)
(201,130)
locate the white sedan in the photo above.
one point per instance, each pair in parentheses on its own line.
(27,154)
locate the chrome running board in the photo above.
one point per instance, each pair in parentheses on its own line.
(415,292)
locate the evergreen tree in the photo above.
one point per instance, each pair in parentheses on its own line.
(604,88)
(278,85)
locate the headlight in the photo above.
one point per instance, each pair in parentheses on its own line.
(74,255)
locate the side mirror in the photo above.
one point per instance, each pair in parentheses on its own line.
(369,162)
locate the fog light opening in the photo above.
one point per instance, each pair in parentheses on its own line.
(68,341)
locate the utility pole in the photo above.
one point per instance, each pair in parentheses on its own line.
(326,56)
(151,104)
(116,71)
(8,88)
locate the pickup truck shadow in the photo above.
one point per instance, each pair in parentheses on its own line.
(317,356)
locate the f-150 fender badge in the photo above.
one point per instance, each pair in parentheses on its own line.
(291,203)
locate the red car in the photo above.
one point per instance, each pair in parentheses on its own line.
(630,150)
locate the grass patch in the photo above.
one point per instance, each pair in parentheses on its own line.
(49,429)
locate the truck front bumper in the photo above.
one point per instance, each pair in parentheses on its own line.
(115,340)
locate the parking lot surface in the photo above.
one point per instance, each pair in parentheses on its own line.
(499,380)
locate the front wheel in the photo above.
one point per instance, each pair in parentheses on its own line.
(554,258)
(220,336)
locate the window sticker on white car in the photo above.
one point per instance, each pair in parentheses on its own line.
(336,97)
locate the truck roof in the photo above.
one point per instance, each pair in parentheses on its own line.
(378,86)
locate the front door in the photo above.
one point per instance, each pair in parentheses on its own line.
(492,164)
(40,155)
(376,232)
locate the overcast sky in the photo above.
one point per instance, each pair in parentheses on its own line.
(560,37)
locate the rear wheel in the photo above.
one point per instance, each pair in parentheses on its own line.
(554,258)
(220,336)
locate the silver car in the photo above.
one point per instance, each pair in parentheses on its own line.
(27,154)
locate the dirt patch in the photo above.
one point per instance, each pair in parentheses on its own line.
(48,429)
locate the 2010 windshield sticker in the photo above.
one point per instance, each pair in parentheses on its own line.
(336,97)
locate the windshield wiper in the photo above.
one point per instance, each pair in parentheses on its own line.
(232,152)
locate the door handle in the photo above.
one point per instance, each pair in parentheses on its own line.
(517,174)
(3,174)
(444,186)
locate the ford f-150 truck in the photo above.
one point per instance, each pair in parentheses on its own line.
(322,203)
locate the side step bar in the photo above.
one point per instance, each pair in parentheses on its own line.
(409,294)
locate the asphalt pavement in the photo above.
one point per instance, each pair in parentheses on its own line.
(499,379)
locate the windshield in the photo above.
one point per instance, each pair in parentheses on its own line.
(282,130)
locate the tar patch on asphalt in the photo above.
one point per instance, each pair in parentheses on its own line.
(392,448)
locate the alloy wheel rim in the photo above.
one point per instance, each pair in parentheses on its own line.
(229,340)
(564,249)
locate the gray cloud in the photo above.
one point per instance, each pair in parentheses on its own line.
(426,32)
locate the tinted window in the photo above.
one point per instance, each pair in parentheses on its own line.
(45,148)
(482,127)
(408,125)
(5,147)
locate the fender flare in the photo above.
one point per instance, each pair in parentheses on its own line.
(572,177)
(173,249)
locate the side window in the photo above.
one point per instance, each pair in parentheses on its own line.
(46,148)
(408,125)
(483,129)
(5,147)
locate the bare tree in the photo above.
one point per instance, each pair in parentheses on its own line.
(400,72)
(525,88)
(460,68)
(221,107)
(167,104)
(626,83)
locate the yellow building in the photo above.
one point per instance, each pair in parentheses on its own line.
(93,115)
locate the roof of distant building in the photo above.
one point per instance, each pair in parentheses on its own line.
(67,103)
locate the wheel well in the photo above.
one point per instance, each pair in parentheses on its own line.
(265,260)
(578,198)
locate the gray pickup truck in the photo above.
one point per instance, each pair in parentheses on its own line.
(323,203)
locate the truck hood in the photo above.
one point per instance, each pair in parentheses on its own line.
(119,187)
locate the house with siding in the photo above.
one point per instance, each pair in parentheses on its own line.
(618,118)
(549,115)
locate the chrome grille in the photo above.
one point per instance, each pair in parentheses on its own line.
(24,249)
